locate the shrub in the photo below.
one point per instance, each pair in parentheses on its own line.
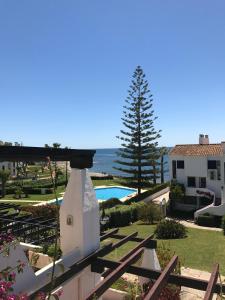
(51,251)
(223,224)
(149,213)
(110,203)
(170,229)
(206,220)
(122,215)
(177,191)
(47,211)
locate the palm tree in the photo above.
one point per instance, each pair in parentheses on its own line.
(4,176)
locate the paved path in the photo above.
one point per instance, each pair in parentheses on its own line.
(192,294)
(159,199)
(18,200)
(191,224)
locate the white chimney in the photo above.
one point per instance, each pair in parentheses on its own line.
(203,139)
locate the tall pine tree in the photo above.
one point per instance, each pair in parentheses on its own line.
(138,154)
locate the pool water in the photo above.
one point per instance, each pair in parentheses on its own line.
(113,192)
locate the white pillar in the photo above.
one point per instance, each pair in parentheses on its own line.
(79,215)
(80,230)
(149,261)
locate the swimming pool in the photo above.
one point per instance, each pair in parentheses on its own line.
(107,193)
(113,192)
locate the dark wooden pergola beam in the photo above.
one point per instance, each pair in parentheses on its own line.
(73,271)
(176,279)
(126,256)
(78,158)
(112,277)
(212,282)
(161,282)
(107,234)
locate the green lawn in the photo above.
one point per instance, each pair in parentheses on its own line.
(108,182)
(38,197)
(200,250)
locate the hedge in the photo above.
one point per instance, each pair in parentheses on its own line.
(122,215)
(148,193)
(47,211)
(206,220)
(223,224)
(110,203)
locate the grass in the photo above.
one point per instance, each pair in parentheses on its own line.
(37,197)
(200,250)
(108,182)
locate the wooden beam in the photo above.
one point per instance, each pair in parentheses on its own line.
(124,240)
(212,282)
(78,158)
(198,284)
(111,278)
(108,234)
(73,271)
(126,256)
(161,282)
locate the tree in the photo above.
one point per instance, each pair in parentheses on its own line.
(163,151)
(4,176)
(138,154)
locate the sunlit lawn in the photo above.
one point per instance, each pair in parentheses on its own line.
(200,250)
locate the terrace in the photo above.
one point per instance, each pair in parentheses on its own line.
(83,272)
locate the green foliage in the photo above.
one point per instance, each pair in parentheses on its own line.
(4,176)
(177,191)
(110,203)
(149,213)
(223,224)
(206,220)
(48,211)
(122,215)
(139,154)
(170,229)
(146,194)
(51,251)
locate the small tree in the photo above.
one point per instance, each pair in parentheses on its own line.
(149,213)
(4,176)
(138,155)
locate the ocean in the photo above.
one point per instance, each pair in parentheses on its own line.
(104,163)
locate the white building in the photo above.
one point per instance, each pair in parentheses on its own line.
(11,166)
(201,169)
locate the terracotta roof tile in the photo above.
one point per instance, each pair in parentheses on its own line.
(197,150)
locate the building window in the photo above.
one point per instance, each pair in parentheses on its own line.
(202,182)
(212,175)
(174,169)
(3,168)
(180,164)
(218,170)
(212,165)
(191,182)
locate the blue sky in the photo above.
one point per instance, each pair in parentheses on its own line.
(65,67)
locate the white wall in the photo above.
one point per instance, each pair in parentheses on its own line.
(197,166)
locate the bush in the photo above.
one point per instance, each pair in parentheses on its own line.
(170,229)
(223,224)
(206,220)
(149,213)
(110,203)
(48,211)
(177,191)
(51,251)
(122,215)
